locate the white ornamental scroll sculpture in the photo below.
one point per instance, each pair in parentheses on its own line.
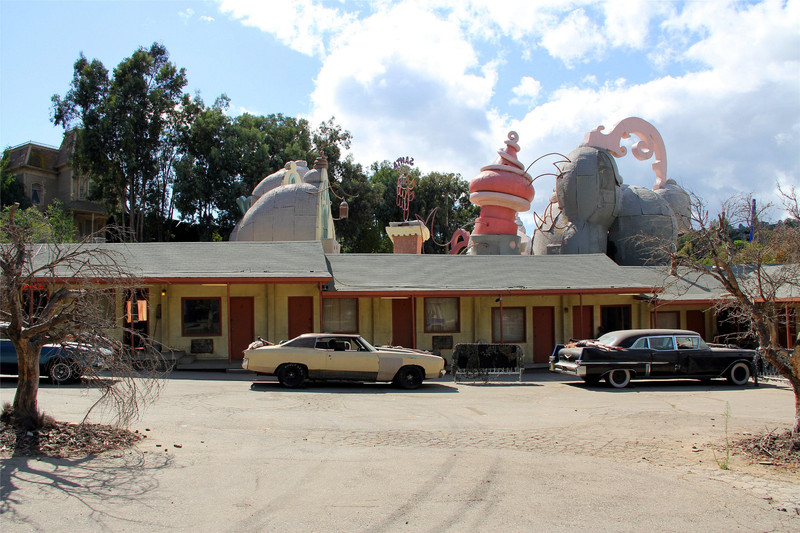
(650,144)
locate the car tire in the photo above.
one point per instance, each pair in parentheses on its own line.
(619,378)
(739,374)
(409,377)
(60,372)
(292,375)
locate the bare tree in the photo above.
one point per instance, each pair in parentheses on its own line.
(65,293)
(759,278)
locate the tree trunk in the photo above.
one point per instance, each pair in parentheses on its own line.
(26,405)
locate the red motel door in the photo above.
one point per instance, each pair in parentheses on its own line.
(301,315)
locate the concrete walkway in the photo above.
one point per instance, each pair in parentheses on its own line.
(547,454)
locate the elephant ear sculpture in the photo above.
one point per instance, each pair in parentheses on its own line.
(592,211)
(584,204)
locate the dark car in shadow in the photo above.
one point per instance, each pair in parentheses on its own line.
(60,364)
(620,356)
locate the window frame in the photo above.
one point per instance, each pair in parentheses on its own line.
(427,328)
(186,299)
(326,300)
(495,338)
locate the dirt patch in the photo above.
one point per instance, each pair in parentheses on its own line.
(774,447)
(61,439)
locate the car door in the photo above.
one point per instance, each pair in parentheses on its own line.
(8,357)
(665,356)
(349,359)
(695,359)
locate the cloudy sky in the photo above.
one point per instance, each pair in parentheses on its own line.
(443,81)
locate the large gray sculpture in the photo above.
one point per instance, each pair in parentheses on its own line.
(289,205)
(592,211)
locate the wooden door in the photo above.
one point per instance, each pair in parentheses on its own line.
(242,325)
(403,323)
(696,321)
(544,336)
(301,315)
(583,322)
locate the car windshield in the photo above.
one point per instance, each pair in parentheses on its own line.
(368,346)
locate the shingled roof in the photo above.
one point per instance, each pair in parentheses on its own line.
(222,262)
(465,274)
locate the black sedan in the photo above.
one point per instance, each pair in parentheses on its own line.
(619,356)
(55,362)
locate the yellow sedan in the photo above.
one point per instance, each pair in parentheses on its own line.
(321,356)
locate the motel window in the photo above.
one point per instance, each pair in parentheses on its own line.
(340,315)
(615,317)
(202,316)
(513,324)
(442,315)
(667,319)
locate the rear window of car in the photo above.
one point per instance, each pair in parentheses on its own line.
(661,343)
(301,342)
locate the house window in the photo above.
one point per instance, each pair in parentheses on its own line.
(667,319)
(614,317)
(340,315)
(513,324)
(442,315)
(201,316)
(36,194)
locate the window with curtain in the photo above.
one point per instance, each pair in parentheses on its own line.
(513,320)
(340,315)
(442,315)
(667,319)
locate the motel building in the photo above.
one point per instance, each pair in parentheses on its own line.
(203,303)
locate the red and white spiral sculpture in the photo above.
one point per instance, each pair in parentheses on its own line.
(502,190)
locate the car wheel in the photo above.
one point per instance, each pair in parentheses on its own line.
(739,374)
(619,378)
(409,377)
(60,372)
(292,375)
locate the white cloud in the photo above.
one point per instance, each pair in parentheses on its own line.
(302,25)
(527,92)
(418,77)
(574,39)
(405,82)
(206,18)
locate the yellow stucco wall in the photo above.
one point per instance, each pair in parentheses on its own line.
(271,320)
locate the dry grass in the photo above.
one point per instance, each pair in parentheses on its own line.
(774,447)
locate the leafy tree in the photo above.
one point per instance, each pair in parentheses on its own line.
(206,174)
(440,200)
(359,232)
(79,280)
(129,133)
(450,194)
(757,288)
(11,190)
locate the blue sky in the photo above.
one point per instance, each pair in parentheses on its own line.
(444,81)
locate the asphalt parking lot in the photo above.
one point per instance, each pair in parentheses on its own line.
(548,454)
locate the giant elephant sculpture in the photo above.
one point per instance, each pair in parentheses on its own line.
(592,211)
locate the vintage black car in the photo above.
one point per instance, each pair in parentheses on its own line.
(619,356)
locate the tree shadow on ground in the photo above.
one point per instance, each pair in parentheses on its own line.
(98,483)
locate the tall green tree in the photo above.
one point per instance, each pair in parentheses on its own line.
(11,190)
(441,200)
(129,133)
(359,232)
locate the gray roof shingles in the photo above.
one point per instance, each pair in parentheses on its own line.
(400,272)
